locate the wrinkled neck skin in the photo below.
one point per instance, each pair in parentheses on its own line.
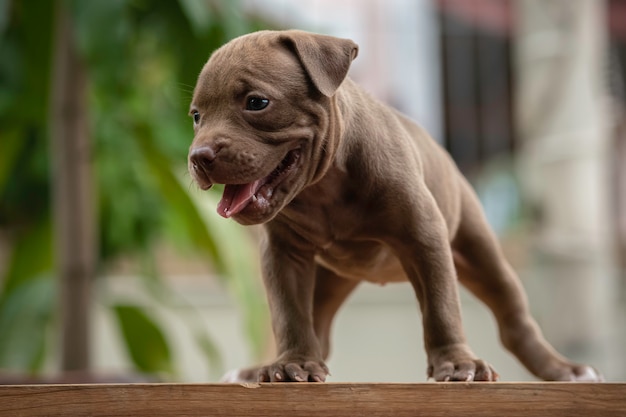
(324,210)
(330,142)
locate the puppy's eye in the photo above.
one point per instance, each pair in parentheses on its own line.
(196,117)
(256,103)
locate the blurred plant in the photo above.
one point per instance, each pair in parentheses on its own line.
(142,59)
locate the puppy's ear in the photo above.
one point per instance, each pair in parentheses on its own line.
(325,58)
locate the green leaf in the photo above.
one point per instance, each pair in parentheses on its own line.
(31,256)
(145,341)
(25,314)
(32,34)
(10,147)
(27,299)
(197,13)
(4,15)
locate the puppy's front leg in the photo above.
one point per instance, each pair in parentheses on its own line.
(289,276)
(425,253)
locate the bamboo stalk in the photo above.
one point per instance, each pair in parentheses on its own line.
(72,193)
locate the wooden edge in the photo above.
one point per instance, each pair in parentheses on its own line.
(330,399)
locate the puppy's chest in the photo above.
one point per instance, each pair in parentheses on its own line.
(344,228)
(362,260)
(322,217)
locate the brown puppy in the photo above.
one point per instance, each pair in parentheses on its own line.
(349,190)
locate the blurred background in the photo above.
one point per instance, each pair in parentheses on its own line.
(115,267)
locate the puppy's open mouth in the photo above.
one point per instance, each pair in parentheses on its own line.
(237,197)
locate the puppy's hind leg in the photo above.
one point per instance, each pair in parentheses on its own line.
(482,268)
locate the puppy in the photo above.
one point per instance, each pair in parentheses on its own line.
(349,190)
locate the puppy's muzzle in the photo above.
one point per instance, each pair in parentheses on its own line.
(201,160)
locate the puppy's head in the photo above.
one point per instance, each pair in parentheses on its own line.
(263,119)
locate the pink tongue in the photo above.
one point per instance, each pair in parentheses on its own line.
(236,197)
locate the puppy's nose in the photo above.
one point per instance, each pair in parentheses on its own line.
(202,158)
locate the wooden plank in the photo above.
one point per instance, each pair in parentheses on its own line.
(331,399)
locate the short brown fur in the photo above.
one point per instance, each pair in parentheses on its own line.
(370,197)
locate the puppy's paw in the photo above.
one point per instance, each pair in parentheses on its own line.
(297,369)
(457,363)
(566,371)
